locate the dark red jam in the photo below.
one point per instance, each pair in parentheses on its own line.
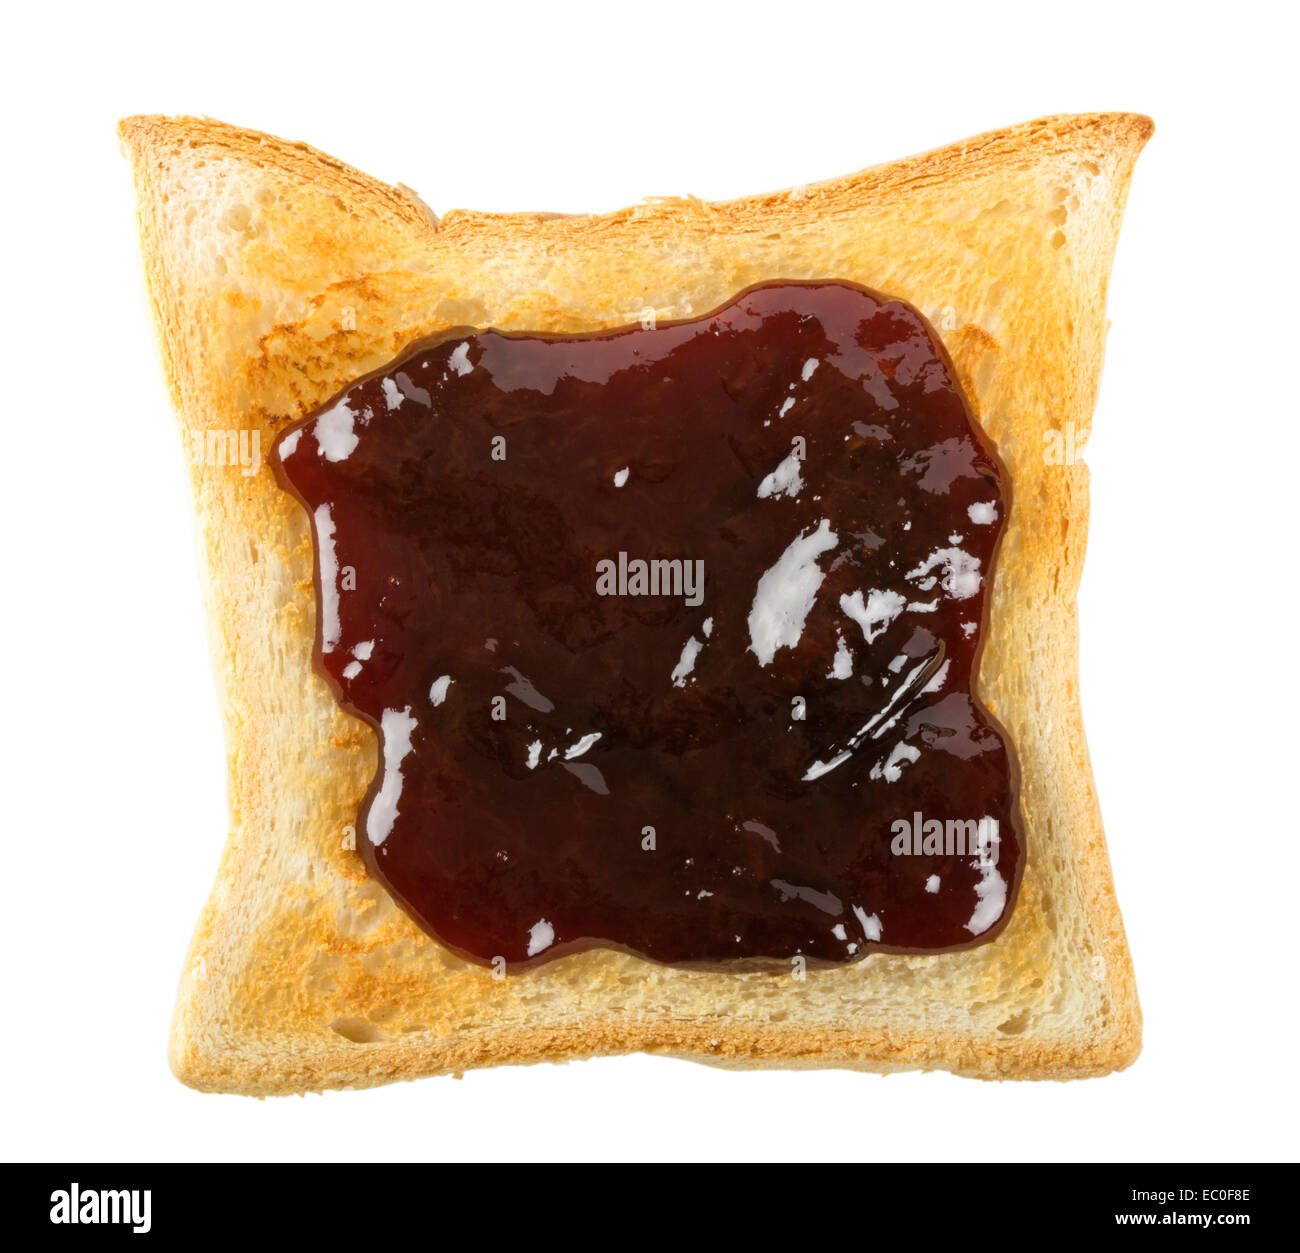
(669,633)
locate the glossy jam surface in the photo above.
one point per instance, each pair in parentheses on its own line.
(767,749)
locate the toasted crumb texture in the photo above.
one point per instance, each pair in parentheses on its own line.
(277,275)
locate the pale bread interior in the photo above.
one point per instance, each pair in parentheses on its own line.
(279,274)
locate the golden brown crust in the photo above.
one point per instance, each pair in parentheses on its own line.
(277,274)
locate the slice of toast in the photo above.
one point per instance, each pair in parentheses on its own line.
(278,275)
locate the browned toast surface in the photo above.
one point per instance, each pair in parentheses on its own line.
(278,275)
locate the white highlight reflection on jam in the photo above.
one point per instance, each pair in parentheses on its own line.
(786,592)
(396,726)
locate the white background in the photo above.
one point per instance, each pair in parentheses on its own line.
(114,762)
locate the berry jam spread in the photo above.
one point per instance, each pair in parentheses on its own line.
(668,634)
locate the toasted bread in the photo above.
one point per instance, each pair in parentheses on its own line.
(278,275)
